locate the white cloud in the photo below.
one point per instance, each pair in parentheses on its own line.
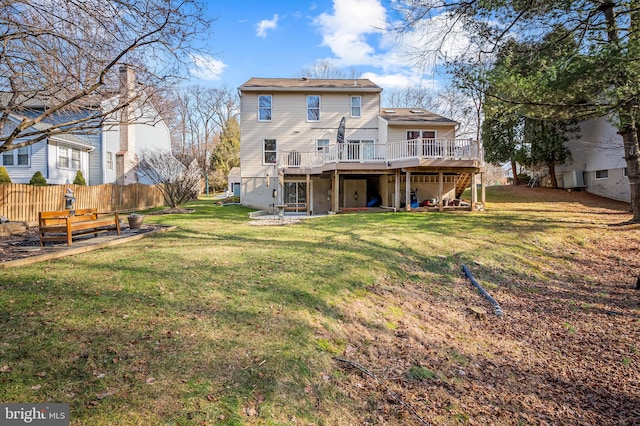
(266,25)
(356,32)
(207,68)
(346,31)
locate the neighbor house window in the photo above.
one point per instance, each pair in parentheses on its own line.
(602,174)
(624,172)
(356,106)
(110,161)
(270,150)
(313,108)
(68,158)
(16,157)
(322,144)
(264,107)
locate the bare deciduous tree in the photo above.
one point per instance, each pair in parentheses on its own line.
(59,57)
(324,69)
(177,183)
(201,116)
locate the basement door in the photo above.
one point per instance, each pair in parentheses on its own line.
(295,196)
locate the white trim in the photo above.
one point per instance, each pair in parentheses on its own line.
(15,153)
(351,98)
(270,108)
(307,109)
(275,151)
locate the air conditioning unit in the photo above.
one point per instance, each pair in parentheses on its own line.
(573,179)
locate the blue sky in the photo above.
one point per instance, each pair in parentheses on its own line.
(279,38)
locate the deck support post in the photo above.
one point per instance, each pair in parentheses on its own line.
(474,192)
(483,186)
(336,191)
(396,195)
(309,195)
(440,190)
(407,188)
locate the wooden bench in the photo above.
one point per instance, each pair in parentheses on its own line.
(64,225)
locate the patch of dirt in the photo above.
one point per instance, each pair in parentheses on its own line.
(175,210)
(566,351)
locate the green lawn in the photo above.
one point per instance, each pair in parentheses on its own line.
(223,322)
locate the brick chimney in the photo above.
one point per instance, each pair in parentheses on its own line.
(126,159)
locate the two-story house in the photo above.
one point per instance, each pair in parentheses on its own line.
(108,154)
(317,146)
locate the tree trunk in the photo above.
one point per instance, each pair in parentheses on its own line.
(632,156)
(514,171)
(552,173)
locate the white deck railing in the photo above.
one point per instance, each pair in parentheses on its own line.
(363,152)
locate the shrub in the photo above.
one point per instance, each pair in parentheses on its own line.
(4,175)
(38,179)
(79,180)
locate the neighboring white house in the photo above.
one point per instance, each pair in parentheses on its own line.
(598,163)
(109,155)
(315,146)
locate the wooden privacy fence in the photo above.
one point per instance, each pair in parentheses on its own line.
(23,202)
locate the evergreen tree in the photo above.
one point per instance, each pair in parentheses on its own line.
(79,179)
(38,180)
(226,153)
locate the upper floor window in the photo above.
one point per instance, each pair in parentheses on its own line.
(270,149)
(16,157)
(264,107)
(602,174)
(356,106)
(110,161)
(322,144)
(68,158)
(313,108)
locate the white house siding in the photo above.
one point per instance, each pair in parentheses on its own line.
(60,176)
(110,143)
(37,161)
(294,133)
(599,147)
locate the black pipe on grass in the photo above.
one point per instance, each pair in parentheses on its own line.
(482,291)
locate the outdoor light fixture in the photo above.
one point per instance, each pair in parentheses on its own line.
(355,196)
(69,199)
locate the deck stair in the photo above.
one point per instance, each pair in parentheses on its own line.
(462,183)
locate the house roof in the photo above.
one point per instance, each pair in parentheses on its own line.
(413,115)
(66,138)
(235,171)
(307,84)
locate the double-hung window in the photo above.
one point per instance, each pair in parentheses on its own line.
(16,157)
(109,161)
(68,158)
(270,149)
(356,106)
(264,107)
(313,108)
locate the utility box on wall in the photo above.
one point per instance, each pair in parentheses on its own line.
(573,179)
